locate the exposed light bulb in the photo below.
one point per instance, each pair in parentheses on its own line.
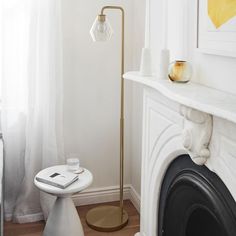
(101,27)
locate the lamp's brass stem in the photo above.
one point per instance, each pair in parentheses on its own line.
(122,100)
(110,218)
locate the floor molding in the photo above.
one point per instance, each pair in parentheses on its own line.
(107,194)
(135,198)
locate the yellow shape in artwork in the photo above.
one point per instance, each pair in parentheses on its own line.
(221,11)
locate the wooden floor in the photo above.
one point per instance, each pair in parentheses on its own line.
(36,229)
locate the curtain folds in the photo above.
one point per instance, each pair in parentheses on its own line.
(32,102)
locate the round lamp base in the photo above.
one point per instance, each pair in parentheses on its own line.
(106,218)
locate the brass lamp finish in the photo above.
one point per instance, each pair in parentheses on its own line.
(112,218)
(101,17)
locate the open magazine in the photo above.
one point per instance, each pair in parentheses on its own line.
(60,179)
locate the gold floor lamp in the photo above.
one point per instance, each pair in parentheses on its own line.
(110,218)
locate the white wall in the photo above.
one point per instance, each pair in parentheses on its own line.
(213,71)
(136,133)
(92,97)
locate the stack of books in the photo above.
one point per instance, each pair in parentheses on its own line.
(60,179)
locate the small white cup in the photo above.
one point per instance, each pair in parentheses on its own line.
(73,164)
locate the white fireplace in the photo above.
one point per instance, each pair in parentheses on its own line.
(183,119)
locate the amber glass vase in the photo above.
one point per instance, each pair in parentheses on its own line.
(180,71)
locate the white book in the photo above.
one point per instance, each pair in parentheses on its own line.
(60,179)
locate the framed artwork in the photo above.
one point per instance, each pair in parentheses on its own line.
(216,27)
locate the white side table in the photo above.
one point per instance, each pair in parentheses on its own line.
(63,219)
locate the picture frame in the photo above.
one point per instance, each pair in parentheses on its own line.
(213,36)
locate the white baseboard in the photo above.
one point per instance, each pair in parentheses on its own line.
(100,195)
(107,194)
(135,198)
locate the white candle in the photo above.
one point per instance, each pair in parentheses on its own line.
(147,25)
(165,23)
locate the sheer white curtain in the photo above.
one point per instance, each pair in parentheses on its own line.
(32,93)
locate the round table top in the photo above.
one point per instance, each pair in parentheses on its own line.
(85,179)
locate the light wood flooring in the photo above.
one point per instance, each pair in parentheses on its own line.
(36,229)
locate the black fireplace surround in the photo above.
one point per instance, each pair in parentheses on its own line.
(195,202)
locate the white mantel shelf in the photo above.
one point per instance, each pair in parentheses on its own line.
(193,95)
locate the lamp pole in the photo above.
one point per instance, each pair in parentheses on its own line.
(113,218)
(121,100)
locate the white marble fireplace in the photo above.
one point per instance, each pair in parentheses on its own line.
(183,119)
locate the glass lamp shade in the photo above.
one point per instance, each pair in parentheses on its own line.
(101,30)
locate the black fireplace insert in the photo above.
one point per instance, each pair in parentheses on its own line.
(195,202)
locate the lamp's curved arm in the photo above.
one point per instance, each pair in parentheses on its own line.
(123,33)
(112,7)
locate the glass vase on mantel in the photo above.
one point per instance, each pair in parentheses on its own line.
(180,71)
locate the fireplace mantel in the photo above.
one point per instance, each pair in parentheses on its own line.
(180,119)
(199,97)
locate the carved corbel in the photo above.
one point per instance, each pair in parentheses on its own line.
(196,134)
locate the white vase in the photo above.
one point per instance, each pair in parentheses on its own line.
(145,65)
(164,63)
